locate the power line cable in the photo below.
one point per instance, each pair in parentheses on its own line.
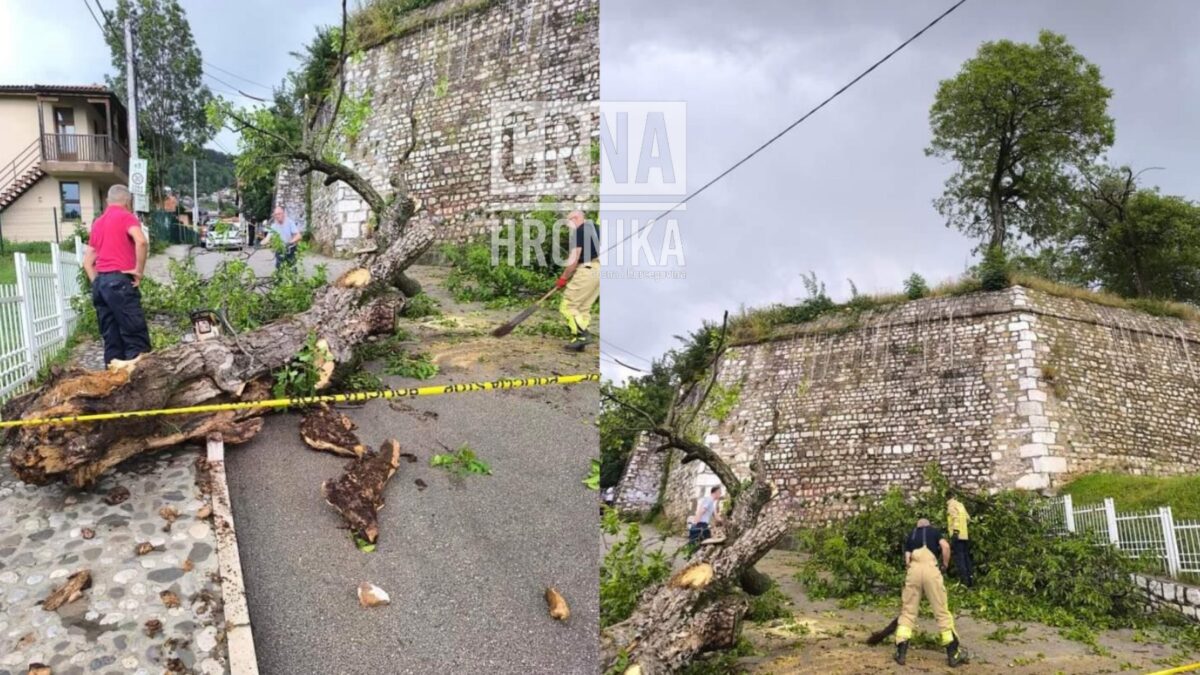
(234,87)
(90,11)
(622,349)
(235,75)
(791,126)
(104,13)
(619,363)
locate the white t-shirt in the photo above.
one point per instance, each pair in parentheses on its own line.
(708,509)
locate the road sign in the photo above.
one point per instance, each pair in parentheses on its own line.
(141,203)
(137,177)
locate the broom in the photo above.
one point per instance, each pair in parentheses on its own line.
(881,635)
(512,323)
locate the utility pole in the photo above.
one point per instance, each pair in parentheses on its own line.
(195,200)
(130,90)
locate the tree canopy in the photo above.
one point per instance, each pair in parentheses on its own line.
(171,97)
(1130,240)
(214,171)
(1020,120)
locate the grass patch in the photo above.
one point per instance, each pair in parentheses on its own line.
(761,324)
(1151,306)
(1139,493)
(8,266)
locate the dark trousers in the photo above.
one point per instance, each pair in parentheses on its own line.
(698,533)
(119,310)
(288,257)
(961,550)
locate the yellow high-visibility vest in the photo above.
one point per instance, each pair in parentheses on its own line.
(957,518)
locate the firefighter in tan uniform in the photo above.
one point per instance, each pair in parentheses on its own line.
(922,550)
(580,280)
(960,545)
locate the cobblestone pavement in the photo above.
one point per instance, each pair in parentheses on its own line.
(42,542)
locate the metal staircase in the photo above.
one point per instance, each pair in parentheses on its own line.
(20,174)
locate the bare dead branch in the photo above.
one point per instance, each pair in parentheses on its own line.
(713,370)
(337,102)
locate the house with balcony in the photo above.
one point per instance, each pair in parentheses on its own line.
(61,148)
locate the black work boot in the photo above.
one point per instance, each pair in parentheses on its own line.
(956,654)
(901,652)
(576,344)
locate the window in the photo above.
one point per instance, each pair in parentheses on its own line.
(71,209)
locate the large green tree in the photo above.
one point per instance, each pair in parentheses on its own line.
(1136,241)
(1020,120)
(171,96)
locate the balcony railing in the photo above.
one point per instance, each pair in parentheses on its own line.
(84,148)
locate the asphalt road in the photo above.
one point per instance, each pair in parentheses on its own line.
(261,260)
(465,560)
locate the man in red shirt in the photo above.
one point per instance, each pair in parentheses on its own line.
(115,260)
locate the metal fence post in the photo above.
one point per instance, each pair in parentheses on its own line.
(60,310)
(25,306)
(1110,516)
(1069,513)
(1172,546)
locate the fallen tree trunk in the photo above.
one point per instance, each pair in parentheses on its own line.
(234,368)
(358,493)
(682,618)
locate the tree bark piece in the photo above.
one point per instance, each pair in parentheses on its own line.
(358,493)
(69,592)
(557,605)
(323,428)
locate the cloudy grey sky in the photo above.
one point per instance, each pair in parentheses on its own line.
(847,193)
(57,42)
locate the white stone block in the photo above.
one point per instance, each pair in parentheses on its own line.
(1034,450)
(1026,383)
(1018,326)
(1036,395)
(712,438)
(351,230)
(1033,481)
(1047,437)
(1029,408)
(1050,464)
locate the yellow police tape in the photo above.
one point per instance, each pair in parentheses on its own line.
(1181,669)
(355,397)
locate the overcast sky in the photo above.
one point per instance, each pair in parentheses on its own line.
(57,42)
(847,193)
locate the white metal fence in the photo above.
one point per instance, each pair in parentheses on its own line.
(36,315)
(1154,536)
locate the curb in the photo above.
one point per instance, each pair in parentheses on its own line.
(239,639)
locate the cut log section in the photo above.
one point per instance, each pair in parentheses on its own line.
(69,592)
(358,493)
(355,278)
(323,428)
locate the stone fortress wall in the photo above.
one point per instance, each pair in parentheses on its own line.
(461,60)
(1009,389)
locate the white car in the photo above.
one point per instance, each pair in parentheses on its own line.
(224,235)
